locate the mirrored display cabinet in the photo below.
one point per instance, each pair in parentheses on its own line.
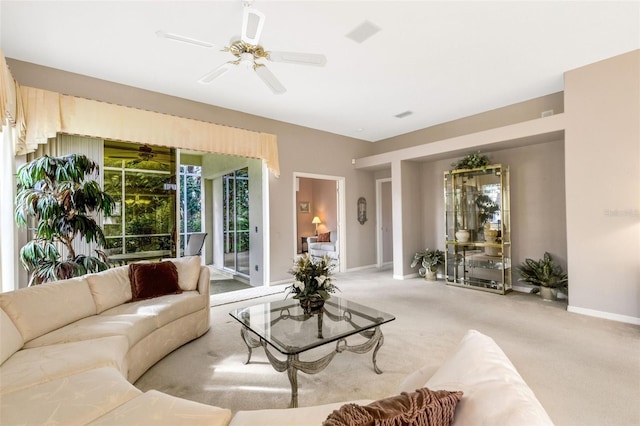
(478,228)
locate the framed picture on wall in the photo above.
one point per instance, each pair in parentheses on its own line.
(304,207)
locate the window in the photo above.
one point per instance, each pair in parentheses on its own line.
(235,188)
(190,202)
(142,181)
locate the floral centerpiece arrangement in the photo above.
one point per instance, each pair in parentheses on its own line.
(313,281)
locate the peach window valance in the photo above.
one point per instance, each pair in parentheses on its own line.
(47,113)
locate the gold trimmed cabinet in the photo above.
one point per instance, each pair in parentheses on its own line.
(478,228)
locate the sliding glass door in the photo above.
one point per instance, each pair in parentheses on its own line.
(235,189)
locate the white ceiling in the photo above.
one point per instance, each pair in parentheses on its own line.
(440,60)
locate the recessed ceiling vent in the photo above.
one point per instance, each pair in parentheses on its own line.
(363,31)
(403,114)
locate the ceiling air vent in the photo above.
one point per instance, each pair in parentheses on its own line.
(363,31)
(403,114)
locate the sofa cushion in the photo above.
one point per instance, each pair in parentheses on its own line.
(110,288)
(493,389)
(56,361)
(38,310)
(71,400)
(324,237)
(156,408)
(422,407)
(313,415)
(188,271)
(164,308)
(133,327)
(149,280)
(12,340)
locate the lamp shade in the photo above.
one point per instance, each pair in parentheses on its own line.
(316,220)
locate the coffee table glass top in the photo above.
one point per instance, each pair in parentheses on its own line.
(284,325)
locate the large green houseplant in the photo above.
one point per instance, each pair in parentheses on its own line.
(546,277)
(59,195)
(428,260)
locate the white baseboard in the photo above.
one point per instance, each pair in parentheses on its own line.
(405,277)
(287,281)
(360,268)
(605,315)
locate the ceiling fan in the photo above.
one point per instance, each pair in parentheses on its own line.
(143,153)
(247,51)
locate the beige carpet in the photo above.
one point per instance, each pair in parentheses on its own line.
(584,370)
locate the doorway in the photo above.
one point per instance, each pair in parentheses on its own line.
(384,218)
(319,205)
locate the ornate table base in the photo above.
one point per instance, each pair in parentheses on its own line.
(293,364)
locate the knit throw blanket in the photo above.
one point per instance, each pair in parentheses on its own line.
(423,407)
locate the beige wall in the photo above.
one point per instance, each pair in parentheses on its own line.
(516,113)
(601,167)
(300,149)
(602,149)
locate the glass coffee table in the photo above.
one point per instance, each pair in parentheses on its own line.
(285,327)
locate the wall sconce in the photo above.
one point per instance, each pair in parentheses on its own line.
(362,210)
(316,221)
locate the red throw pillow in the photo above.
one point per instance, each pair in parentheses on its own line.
(423,407)
(150,280)
(324,238)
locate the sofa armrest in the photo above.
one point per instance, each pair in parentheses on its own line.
(203,280)
(311,240)
(480,369)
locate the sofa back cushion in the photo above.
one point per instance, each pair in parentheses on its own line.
(12,340)
(40,309)
(188,271)
(110,288)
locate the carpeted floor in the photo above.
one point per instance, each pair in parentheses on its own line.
(584,370)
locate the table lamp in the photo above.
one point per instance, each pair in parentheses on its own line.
(316,221)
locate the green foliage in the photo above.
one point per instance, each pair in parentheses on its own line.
(56,193)
(543,272)
(486,208)
(472,161)
(312,277)
(428,259)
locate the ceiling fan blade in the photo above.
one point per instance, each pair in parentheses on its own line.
(183,39)
(270,80)
(298,58)
(215,73)
(252,23)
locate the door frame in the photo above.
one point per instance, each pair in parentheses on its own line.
(342,215)
(379,239)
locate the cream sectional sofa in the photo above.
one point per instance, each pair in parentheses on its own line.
(71,349)
(494,391)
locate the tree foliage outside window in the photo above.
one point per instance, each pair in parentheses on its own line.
(144,190)
(190,201)
(235,210)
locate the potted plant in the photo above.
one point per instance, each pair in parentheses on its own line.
(57,194)
(545,275)
(471,161)
(428,260)
(313,281)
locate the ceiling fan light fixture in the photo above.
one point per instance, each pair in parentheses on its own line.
(246,60)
